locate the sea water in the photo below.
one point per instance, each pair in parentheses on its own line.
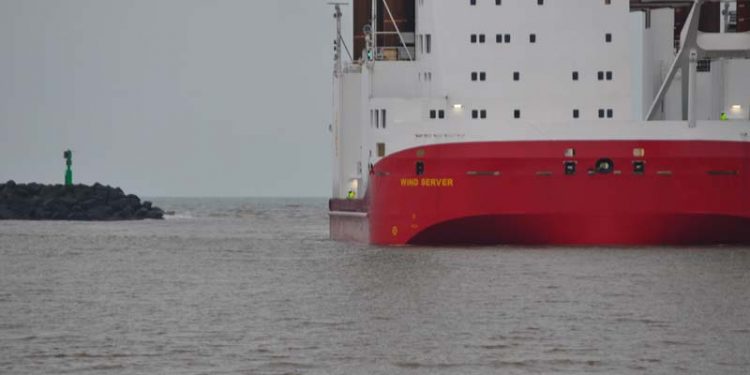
(254,286)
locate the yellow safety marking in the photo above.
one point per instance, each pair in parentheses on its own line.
(394,231)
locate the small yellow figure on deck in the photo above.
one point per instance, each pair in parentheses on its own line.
(724,116)
(352,195)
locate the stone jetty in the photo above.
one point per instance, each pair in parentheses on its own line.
(76,203)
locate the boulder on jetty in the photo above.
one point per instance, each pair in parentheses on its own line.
(78,202)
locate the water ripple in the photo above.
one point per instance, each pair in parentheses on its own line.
(254,286)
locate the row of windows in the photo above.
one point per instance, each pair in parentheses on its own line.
(477,37)
(482,76)
(601,76)
(425,76)
(425,43)
(506,38)
(377,118)
(500,2)
(478,76)
(437,113)
(609,113)
(499,38)
(603,113)
(481,114)
(602,166)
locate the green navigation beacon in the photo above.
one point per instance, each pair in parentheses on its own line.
(68,155)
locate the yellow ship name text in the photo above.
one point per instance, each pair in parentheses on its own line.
(427,182)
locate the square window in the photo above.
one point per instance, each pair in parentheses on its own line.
(473,76)
(481,38)
(381,149)
(472,2)
(600,76)
(575,76)
(420,168)
(532,38)
(517,113)
(610,113)
(474,114)
(507,38)
(473,38)
(576,113)
(498,2)
(441,114)
(540,2)
(570,168)
(608,38)
(704,65)
(607,2)
(482,76)
(483,113)
(601,113)
(609,76)
(516,76)
(499,38)
(639,167)
(433,113)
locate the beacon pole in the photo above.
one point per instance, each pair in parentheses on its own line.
(68,155)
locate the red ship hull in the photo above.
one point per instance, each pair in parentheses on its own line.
(687,192)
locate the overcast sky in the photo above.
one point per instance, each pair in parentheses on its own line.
(168,97)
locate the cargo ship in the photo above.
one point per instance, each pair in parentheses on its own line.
(541,122)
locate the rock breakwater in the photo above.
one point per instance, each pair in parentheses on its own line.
(76,203)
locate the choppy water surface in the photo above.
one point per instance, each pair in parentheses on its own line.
(254,286)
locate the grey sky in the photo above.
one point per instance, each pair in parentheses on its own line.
(168,97)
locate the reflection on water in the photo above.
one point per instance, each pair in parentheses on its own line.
(254,286)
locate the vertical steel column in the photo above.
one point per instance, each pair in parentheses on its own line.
(692,75)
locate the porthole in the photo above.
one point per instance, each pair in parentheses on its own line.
(605,166)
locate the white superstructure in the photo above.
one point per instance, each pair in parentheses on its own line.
(489,70)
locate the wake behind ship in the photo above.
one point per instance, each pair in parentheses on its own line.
(584,122)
